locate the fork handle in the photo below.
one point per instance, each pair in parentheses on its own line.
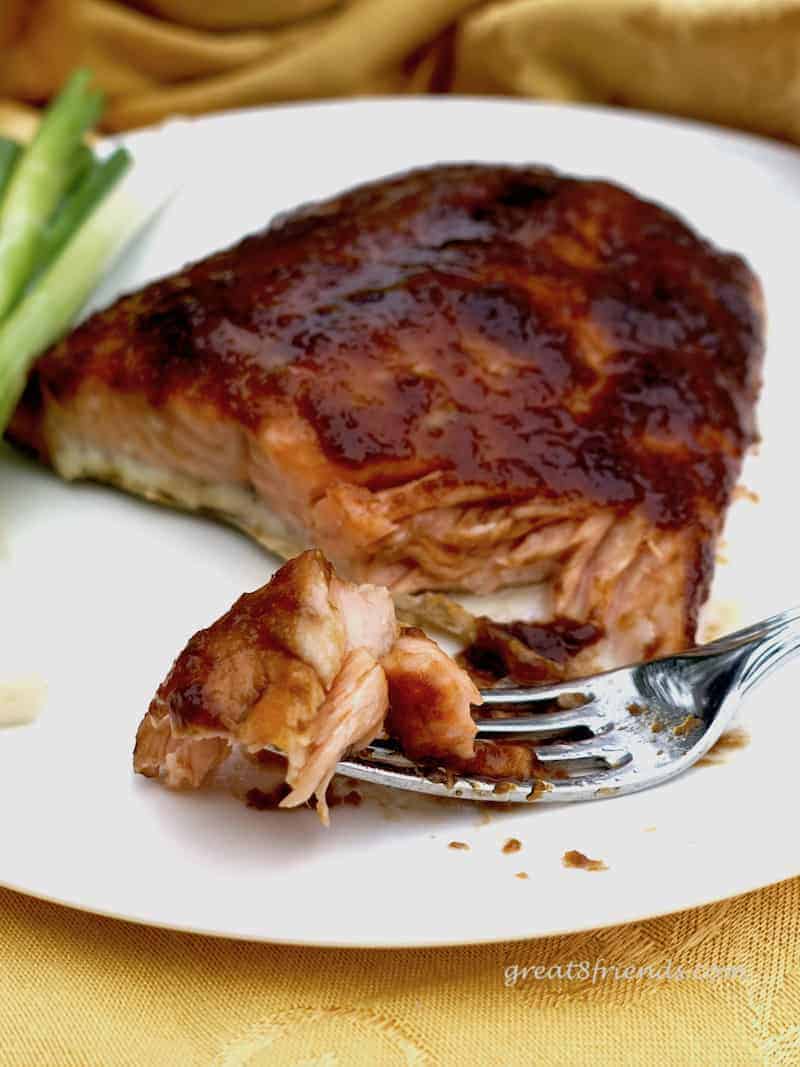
(770,651)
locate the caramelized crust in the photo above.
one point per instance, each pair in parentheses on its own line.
(501,326)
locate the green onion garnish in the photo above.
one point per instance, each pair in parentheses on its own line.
(79,204)
(39,180)
(64,217)
(9,151)
(49,308)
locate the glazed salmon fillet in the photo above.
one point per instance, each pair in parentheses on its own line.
(305,666)
(465,378)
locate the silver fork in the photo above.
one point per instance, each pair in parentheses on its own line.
(642,724)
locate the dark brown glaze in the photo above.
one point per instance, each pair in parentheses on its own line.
(527,652)
(534,334)
(558,640)
(240,643)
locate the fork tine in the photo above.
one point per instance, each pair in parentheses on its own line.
(538,694)
(609,752)
(544,723)
(385,752)
(458,788)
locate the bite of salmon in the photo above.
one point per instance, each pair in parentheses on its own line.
(309,666)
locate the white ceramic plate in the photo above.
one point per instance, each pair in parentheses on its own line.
(99,591)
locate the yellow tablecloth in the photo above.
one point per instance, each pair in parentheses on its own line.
(78,991)
(82,991)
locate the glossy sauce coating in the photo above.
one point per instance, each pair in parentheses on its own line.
(238,647)
(529,653)
(540,336)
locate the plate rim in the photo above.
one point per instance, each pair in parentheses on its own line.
(374,945)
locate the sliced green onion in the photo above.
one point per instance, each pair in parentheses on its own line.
(80,163)
(50,307)
(9,151)
(78,205)
(39,180)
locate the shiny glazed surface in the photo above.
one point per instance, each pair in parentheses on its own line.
(534,334)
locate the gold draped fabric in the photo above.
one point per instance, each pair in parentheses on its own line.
(735,62)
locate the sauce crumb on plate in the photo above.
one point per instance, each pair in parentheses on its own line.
(573,858)
(691,722)
(729,742)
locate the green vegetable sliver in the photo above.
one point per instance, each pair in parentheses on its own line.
(48,310)
(78,166)
(39,180)
(78,206)
(9,152)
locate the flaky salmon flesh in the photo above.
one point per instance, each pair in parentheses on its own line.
(308,665)
(465,378)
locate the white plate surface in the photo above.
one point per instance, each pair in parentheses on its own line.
(99,592)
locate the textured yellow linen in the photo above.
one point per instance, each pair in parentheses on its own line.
(730,61)
(78,991)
